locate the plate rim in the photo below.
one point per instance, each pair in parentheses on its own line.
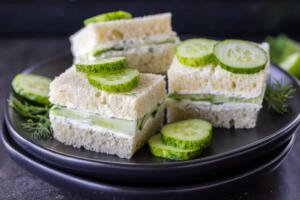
(276,161)
(202,160)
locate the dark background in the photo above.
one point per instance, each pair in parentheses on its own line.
(214,18)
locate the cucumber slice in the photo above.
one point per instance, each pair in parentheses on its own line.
(196,52)
(105,65)
(127,127)
(102,49)
(32,87)
(292,64)
(109,16)
(159,149)
(187,134)
(242,57)
(122,81)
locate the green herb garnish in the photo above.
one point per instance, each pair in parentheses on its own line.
(37,118)
(277,95)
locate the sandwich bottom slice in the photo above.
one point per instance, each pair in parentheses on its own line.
(106,135)
(227,115)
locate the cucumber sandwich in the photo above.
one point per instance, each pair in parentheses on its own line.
(220,81)
(106,106)
(148,43)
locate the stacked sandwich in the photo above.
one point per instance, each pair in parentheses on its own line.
(106,106)
(147,42)
(223,82)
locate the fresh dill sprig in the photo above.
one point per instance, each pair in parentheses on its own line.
(37,118)
(277,95)
(41,128)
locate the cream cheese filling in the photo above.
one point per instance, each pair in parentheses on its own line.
(121,126)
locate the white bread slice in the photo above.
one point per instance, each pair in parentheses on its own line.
(95,138)
(95,33)
(227,115)
(72,89)
(215,80)
(148,59)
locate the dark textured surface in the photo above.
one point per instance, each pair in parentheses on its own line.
(214,17)
(17,54)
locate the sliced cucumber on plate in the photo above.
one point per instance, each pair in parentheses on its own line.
(196,52)
(32,87)
(121,81)
(239,56)
(187,134)
(182,140)
(105,65)
(159,149)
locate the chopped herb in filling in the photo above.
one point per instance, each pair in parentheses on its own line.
(130,44)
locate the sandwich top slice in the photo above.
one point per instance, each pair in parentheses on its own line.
(213,79)
(147,42)
(225,98)
(72,89)
(101,121)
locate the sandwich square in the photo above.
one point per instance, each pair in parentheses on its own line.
(112,123)
(240,95)
(148,42)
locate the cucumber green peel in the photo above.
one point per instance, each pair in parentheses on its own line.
(122,81)
(105,65)
(238,56)
(187,134)
(196,52)
(98,51)
(32,87)
(159,149)
(109,16)
(181,140)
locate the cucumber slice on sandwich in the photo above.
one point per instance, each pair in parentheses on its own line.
(187,134)
(242,57)
(102,49)
(109,16)
(159,149)
(32,87)
(105,65)
(195,52)
(122,81)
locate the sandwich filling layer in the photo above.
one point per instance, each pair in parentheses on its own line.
(117,47)
(122,126)
(215,98)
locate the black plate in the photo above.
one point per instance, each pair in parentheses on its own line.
(230,148)
(103,190)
